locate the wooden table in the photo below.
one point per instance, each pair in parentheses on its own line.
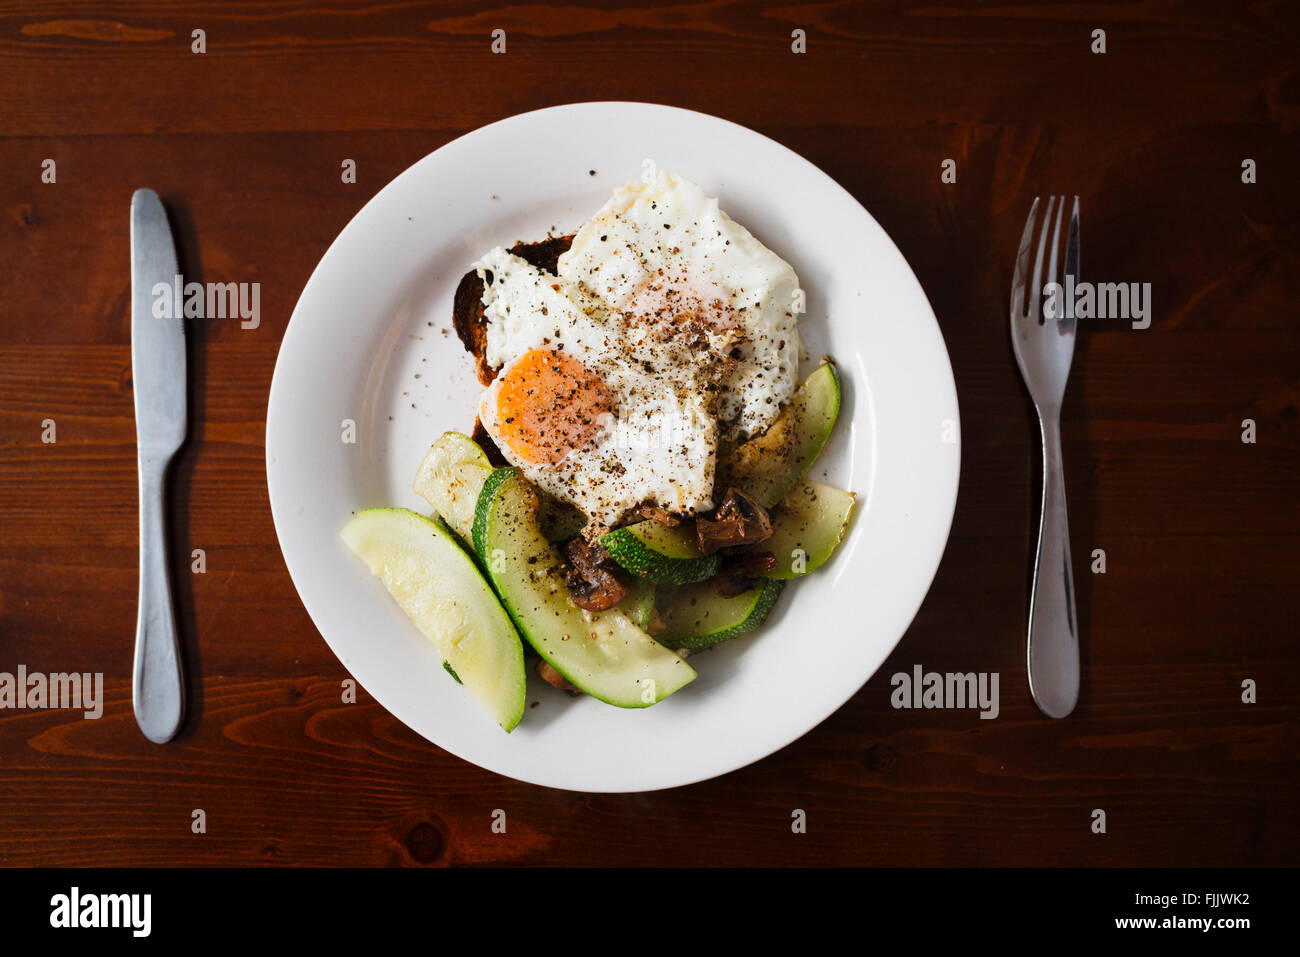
(245,141)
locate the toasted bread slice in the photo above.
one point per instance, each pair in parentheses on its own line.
(467,308)
(488,445)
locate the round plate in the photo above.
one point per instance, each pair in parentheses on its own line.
(370,343)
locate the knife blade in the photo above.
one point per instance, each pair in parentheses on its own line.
(158,373)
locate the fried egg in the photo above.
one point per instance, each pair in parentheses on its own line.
(667,329)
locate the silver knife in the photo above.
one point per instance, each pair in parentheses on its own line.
(158,374)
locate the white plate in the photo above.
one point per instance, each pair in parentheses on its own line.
(377,313)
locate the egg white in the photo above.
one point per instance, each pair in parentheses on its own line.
(669,232)
(658,447)
(688,319)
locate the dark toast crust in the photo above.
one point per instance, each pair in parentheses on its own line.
(467,307)
(489,447)
(471,326)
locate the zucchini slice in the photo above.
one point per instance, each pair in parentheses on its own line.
(769,465)
(639,605)
(807,527)
(437,584)
(450,478)
(653,550)
(696,618)
(603,654)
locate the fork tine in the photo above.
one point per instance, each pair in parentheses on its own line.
(1022,263)
(1036,287)
(1067,323)
(1072,244)
(1056,242)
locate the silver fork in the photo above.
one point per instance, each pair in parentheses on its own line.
(1044,348)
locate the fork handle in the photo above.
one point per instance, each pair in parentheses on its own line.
(1053,627)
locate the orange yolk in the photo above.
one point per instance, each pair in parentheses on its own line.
(549,403)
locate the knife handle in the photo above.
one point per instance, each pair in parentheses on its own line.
(1053,628)
(158,686)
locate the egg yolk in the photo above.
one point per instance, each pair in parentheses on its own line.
(548,404)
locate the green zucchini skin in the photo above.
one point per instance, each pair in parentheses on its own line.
(639,605)
(655,551)
(496,478)
(436,583)
(771,464)
(602,653)
(695,618)
(807,527)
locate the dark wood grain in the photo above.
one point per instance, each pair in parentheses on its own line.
(244,144)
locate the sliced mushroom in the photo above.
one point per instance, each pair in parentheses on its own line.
(739,520)
(594,580)
(553,677)
(660,515)
(739,573)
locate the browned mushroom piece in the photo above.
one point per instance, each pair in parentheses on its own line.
(594,580)
(660,515)
(739,573)
(738,520)
(553,677)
